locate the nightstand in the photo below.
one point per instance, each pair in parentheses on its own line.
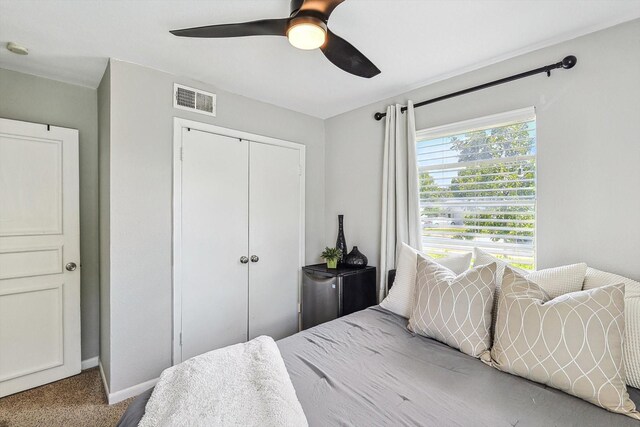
(329,293)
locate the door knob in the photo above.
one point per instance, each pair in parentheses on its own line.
(71,266)
(254,258)
(244,259)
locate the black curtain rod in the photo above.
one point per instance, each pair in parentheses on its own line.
(567,63)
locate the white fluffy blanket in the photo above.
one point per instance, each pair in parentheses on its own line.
(240,385)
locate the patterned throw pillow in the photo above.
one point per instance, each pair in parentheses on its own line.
(455,310)
(554,281)
(400,298)
(572,343)
(595,279)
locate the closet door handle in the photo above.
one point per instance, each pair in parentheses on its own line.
(244,259)
(254,258)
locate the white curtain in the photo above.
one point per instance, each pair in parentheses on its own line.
(400,203)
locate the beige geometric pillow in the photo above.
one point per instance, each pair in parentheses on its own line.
(595,279)
(572,343)
(554,281)
(455,310)
(400,297)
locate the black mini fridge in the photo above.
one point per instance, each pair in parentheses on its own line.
(328,293)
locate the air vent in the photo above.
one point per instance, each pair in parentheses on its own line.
(198,101)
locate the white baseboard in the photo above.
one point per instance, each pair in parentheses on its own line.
(121,395)
(104,379)
(132,391)
(89,363)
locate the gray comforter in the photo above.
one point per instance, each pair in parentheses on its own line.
(367,369)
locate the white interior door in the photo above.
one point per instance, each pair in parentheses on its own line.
(275,227)
(39,235)
(214,237)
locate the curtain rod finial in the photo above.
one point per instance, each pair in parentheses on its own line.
(378,116)
(569,62)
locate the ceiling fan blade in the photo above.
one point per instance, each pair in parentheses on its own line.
(348,58)
(263,27)
(323,6)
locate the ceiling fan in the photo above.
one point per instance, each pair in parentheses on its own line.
(306,28)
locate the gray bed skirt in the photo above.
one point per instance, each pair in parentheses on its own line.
(367,369)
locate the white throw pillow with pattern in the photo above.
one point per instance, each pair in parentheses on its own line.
(400,297)
(597,278)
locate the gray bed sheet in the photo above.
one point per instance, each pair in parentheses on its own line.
(367,369)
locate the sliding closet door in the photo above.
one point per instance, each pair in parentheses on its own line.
(274,245)
(214,227)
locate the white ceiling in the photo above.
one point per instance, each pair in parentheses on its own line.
(413,42)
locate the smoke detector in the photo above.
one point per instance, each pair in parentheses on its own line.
(17,49)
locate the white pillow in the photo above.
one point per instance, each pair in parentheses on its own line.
(554,281)
(595,279)
(598,278)
(401,295)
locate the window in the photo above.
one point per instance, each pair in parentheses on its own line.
(478,187)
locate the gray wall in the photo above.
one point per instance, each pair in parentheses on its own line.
(588,124)
(36,99)
(588,175)
(140,212)
(104,135)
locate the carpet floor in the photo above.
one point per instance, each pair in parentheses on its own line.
(74,401)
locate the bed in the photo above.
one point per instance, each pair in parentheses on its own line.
(367,369)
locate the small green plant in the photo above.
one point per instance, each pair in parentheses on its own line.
(331,255)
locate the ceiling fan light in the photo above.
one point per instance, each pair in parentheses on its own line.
(307,35)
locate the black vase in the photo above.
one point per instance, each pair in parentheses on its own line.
(355,258)
(340,242)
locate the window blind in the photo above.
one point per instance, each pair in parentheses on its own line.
(478,187)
